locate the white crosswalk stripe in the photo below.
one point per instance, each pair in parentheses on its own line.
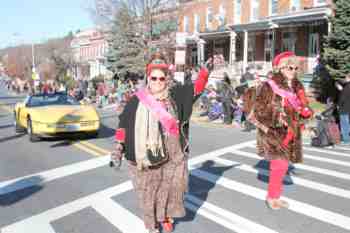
(297,206)
(296,180)
(329,151)
(322,159)
(126,220)
(224,217)
(322,171)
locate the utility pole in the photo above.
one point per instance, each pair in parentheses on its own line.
(33,57)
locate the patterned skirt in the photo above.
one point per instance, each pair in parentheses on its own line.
(161,191)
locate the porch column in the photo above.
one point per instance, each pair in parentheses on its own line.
(200,51)
(232,47)
(245,51)
(273,43)
(329,27)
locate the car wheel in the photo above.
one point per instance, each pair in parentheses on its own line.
(18,128)
(31,135)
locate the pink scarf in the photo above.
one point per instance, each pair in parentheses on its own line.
(290,96)
(169,123)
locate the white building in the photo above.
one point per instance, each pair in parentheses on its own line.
(89,48)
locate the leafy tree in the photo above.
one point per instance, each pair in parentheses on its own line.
(126,44)
(336,53)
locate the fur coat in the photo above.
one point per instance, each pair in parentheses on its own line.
(276,116)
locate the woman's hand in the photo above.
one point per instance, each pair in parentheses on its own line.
(117,154)
(306,112)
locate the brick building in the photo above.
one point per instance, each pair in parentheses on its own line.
(89,48)
(250,32)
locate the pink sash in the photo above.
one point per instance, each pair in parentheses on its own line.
(169,123)
(291,97)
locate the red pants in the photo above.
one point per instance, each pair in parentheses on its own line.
(278,169)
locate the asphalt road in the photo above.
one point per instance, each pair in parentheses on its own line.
(65,185)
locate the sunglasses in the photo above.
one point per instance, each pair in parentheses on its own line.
(162,79)
(291,68)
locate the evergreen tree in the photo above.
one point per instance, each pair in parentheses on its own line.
(126,44)
(336,53)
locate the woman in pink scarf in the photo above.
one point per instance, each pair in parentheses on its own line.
(281,108)
(156,119)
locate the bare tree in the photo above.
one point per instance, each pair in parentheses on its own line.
(53,59)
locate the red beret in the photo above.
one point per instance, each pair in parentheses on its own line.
(279,57)
(151,66)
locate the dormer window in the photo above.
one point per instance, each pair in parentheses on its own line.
(186,24)
(222,15)
(196,23)
(320,2)
(237,11)
(254,13)
(209,17)
(295,5)
(273,9)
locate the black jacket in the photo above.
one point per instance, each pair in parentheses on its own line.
(182,96)
(344,99)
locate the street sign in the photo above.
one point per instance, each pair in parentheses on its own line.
(35,76)
(180,57)
(180,77)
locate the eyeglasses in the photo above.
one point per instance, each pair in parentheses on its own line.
(291,68)
(162,79)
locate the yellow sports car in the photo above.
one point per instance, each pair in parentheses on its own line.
(53,114)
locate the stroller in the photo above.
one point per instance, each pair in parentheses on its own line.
(216,111)
(327,131)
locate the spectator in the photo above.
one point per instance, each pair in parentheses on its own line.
(227,95)
(247,76)
(344,108)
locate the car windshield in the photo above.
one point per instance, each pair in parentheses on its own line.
(51,99)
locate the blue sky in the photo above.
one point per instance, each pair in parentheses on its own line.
(37,20)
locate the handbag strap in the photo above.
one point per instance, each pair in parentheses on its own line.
(160,130)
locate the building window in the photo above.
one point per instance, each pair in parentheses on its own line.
(273,9)
(237,13)
(186,24)
(196,23)
(254,13)
(268,46)
(320,2)
(209,18)
(288,41)
(295,5)
(222,15)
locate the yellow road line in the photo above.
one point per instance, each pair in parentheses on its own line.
(94,147)
(84,148)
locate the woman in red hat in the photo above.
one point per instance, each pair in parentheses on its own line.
(281,108)
(153,136)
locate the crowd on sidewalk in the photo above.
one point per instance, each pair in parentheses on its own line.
(223,101)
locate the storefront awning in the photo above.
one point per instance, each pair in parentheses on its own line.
(214,35)
(304,16)
(256,26)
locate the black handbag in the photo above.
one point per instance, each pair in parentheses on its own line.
(161,155)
